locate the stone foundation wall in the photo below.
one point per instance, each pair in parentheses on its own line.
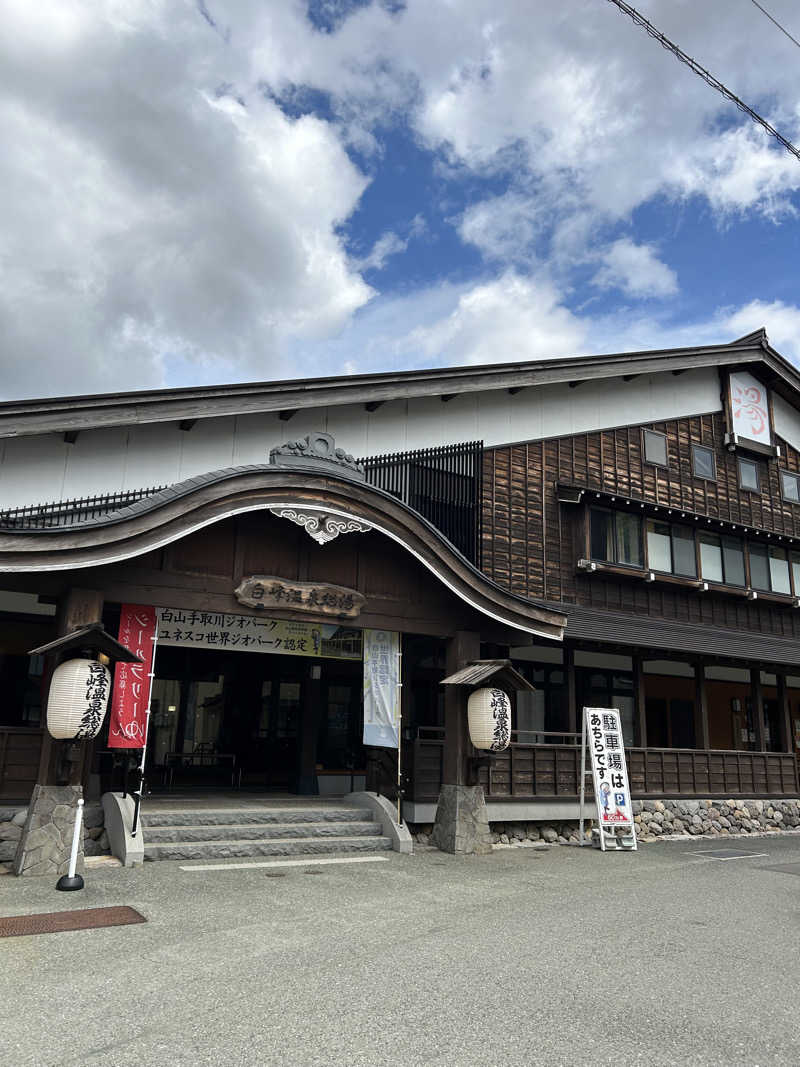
(714,818)
(656,819)
(12,820)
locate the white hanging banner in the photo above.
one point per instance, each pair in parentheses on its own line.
(609,773)
(749,408)
(382,688)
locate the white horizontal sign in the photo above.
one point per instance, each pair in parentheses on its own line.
(254,633)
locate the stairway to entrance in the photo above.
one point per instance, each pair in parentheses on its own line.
(196,828)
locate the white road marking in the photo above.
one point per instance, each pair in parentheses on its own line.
(711,854)
(284,863)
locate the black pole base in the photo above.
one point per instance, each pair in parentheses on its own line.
(69,885)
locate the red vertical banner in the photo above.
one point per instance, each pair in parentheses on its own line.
(127,727)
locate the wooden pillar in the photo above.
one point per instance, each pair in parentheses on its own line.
(701,739)
(640,731)
(78,607)
(785,737)
(573,711)
(463,647)
(757,701)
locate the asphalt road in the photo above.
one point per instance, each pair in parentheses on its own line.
(564,956)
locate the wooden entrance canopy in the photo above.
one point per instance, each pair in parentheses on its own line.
(326,499)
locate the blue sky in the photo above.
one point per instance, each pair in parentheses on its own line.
(234,190)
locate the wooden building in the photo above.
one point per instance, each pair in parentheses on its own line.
(649,501)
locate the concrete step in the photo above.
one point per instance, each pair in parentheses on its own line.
(304,846)
(260,831)
(239,816)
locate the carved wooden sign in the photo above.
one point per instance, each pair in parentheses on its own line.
(265,591)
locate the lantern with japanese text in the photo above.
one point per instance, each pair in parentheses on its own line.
(76,704)
(489,714)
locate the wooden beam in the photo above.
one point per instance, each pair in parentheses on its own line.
(462,648)
(373,405)
(785,737)
(287,414)
(573,711)
(700,708)
(757,700)
(187,424)
(640,703)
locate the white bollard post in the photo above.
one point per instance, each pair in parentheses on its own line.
(71,880)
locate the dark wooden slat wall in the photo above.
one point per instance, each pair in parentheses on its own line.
(531,542)
(525,772)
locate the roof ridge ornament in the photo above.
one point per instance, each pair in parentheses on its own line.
(317,449)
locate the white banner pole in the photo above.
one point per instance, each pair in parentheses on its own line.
(138,795)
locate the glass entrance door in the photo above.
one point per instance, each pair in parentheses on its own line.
(278,728)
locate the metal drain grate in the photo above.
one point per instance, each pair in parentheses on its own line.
(57,922)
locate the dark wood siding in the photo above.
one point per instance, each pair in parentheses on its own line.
(531,542)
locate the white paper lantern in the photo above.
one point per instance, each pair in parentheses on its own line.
(489,714)
(76,704)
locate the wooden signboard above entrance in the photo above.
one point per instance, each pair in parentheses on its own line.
(265,591)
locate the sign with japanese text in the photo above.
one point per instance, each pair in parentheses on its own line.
(127,726)
(255,633)
(382,688)
(609,773)
(749,408)
(263,591)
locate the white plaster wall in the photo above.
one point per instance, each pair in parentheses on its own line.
(786,420)
(44,468)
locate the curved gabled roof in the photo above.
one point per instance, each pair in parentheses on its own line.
(188,506)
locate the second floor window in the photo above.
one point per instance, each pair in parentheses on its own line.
(748,475)
(671,549)
(623,537)
(790,486)
(703,462)
(616,537)
(655,447)
(721,558)
(769,569)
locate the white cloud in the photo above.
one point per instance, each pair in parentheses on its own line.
(160,210)
(389,244)
(148,217)
(509,318)
(505,228)
(636,270)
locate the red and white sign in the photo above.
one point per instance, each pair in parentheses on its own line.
(749,408)
(131,696)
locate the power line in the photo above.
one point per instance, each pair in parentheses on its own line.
(715,83)
(764,11)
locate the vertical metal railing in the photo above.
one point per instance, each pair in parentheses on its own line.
(443,484)
(60,513)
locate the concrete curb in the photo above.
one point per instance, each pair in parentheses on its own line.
(119,820)
(386,814)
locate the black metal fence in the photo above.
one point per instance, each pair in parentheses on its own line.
(442,484)
(62,513)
